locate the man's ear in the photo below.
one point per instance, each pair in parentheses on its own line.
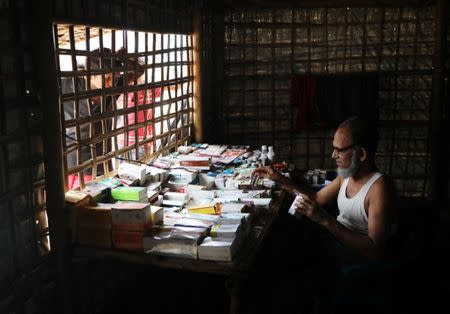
(363,154)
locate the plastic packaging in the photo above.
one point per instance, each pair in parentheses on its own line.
(173,240)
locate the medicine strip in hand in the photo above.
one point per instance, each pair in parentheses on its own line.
(292,210)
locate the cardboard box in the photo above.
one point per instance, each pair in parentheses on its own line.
(99,237)
(94,216)
(128,240)
(156,215)
(130,216)
(213,250)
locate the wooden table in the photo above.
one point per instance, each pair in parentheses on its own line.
(234,272)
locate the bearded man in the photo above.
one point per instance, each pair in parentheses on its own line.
(361,233)
(367,215)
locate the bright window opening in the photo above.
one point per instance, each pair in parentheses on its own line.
(124,96)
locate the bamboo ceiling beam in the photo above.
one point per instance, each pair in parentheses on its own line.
(325,3)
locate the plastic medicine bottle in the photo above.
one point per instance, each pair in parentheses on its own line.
(271,154)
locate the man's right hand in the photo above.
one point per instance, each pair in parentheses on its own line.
(268,172)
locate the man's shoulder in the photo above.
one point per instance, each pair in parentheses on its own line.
(384,179)
(380,179)
(339,180)
(383,185)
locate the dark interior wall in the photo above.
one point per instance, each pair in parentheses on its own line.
(27,282)
(266,46)
(31,277)
(28,277)
(172,16)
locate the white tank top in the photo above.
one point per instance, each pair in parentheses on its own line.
(352,213)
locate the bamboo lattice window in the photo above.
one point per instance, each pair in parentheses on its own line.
(101,72)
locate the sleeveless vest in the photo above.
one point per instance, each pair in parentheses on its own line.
(352,213)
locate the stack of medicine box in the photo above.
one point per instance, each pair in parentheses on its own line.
(131,215)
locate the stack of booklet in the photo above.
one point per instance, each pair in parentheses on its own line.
(226,235)
(185,220)
(217,250)
(130,193)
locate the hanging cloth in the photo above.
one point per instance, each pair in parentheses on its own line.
(327,100)
(304,100)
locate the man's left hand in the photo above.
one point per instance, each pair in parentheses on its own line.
(310,208)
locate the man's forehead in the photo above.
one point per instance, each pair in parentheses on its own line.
(343,136)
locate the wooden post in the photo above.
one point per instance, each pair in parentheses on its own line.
(54,178)
(218,60)
(197,42)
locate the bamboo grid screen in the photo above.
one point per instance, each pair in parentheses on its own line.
(162,81)
(265,47)
(24,240)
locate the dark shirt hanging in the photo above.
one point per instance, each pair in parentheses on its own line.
(327,100)
(304,99)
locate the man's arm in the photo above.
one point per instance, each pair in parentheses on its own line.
(373,244)
(324,196)
(269,173)
(329,192)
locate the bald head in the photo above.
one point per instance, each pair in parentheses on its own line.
(362,133)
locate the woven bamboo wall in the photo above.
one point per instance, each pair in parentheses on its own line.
(25,279)
(265,47)
(27,274)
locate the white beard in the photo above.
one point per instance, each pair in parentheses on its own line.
(352,170)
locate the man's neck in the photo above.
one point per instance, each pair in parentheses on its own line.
(365,170)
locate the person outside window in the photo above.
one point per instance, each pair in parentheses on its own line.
(87,107)
(136,69)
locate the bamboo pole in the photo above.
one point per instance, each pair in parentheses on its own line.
(54,178)
(219,57)
(198,117)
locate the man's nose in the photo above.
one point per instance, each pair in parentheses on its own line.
(334,155)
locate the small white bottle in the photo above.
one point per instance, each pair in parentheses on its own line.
(263,154)
(315,177)
(271,154)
